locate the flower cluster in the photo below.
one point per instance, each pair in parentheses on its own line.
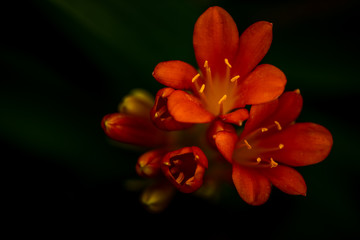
(199,131)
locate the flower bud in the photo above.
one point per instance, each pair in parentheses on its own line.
(157,197)
(148,164)
(138,103)
(132,130)
(185,168)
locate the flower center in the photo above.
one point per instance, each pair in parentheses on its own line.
(183,167)
(250,152)
(217,93)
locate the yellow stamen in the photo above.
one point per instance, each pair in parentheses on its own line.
(297,91)
(281,146)
(278,125)
(227,63)
(167,163)
(234,78)
(273,163)
(258,160)
(222,99)
(206,64)
(264,129)
(180,178)
(195,77)
(247,144)
(197,157)
(202,88)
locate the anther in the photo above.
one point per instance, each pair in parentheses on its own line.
(273,163)
(160,112)
(197,157)
(227,63)
(206,64)
(247,144)
(234,78)
(297,91)
(222,99)
(180,178)
(281,146)
(167,163)
(264,129)
(258,160)
(195,77)
(278,125)
(202,88)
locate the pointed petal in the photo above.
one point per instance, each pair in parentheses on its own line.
(187,108)
(252,187)
(215,38)
(236,117)
(264,84)
(286,179)
(225,143)
(304,144)
(175,74)
(254,43)
(285,110)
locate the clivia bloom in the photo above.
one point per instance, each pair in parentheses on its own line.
(270,145)
(228,77)
(169,157)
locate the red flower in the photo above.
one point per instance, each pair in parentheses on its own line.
(270,144)
(185,168)
(228,78)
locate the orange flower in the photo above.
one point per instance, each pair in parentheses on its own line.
(270,144)
(229,77)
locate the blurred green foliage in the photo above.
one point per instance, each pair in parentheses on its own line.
(65,64)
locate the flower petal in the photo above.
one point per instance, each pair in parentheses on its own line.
(252,187)
(160,115)
(236,117)
(254,43)
(304,144)
(225,142)
(264,84)
(175,74)
(285,110)
(187,109)
(286,179)
(215,38)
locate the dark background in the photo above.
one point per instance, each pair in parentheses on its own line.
(65,64)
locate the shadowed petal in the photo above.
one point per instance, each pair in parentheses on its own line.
(285,110)
(175,74)
(187,108)
(286,179)
(215,38)
(252,187)
(254,43)
(304,144)
(264,84)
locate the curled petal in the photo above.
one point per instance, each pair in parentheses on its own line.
(286,179)
(148,164)
(185,168)
(175,74)
(133,130)
(254,43)
(304,144)
(264,84)
(186,108)
(253,187)
(160,115)
(215,38)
